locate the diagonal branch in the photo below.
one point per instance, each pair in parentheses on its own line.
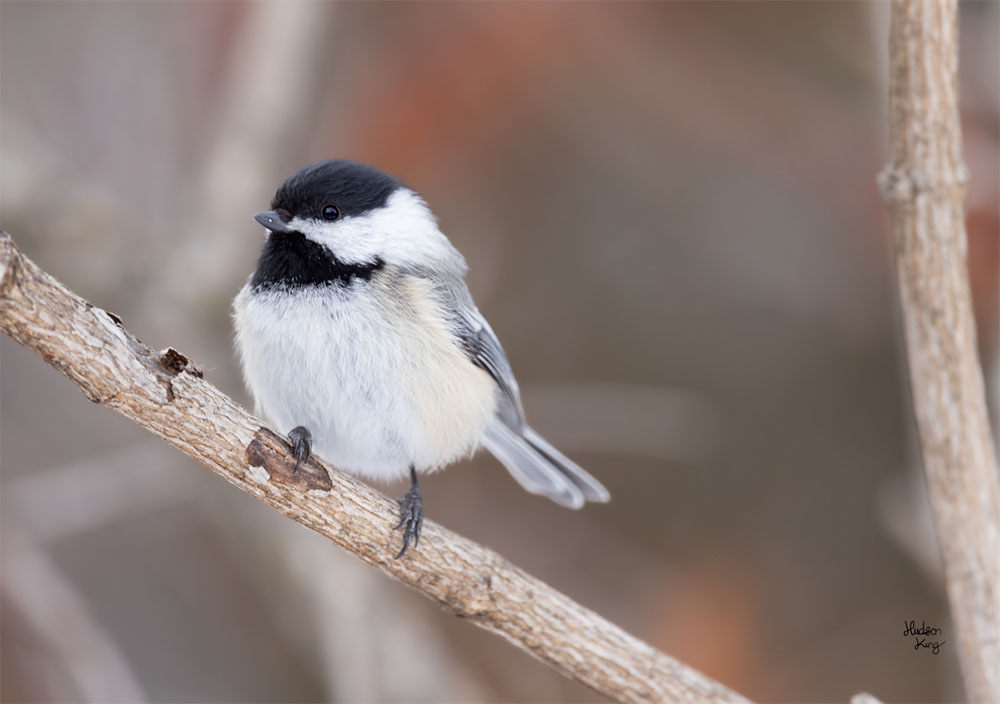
(165,393)
(924,185)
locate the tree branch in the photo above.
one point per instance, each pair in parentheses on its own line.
(924,185)
(165,393)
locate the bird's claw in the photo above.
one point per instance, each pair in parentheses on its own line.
(301,445)
(411,517)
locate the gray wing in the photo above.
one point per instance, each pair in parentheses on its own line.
(483,348)
(535,464)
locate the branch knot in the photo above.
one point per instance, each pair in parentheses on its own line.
(901,185)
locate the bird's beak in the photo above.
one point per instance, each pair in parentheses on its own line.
(272,221)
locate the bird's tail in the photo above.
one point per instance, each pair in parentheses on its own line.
(541,468)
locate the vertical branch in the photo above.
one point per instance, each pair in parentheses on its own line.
(924,185)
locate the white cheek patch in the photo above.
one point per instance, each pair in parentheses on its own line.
(402,232)
(351,240)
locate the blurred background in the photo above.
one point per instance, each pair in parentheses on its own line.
(671,220)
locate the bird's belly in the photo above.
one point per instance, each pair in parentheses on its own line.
(378,390)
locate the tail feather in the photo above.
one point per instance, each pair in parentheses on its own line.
(591,489)
(542,469)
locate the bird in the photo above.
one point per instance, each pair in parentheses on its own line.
(358,336)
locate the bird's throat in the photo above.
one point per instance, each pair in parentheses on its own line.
(291,260)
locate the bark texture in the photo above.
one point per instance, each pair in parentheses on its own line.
(166,393)
(924,186)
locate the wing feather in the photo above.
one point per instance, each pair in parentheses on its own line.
(534,463)
(482,346)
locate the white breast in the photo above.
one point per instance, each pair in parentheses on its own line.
(369,369)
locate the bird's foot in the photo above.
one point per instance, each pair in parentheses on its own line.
(411,514)
(301,445)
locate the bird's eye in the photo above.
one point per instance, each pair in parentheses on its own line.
(331,212)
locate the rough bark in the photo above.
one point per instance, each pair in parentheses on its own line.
(924,186)
(166,393)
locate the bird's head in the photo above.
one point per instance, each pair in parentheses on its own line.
(357,215)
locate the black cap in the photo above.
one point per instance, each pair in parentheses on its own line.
(352,187)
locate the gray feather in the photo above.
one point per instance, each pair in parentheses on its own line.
(530,468)
(591,489)
(482,346)
(538,466)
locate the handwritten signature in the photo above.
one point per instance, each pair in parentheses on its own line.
(911,629)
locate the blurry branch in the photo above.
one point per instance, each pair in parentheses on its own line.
(628,420)
(71,637)
(270,97)
(83,496)
(165,393)
(924,185)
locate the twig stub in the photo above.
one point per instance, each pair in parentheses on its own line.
(270,452)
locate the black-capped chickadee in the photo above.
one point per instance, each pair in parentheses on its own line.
(358,333)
